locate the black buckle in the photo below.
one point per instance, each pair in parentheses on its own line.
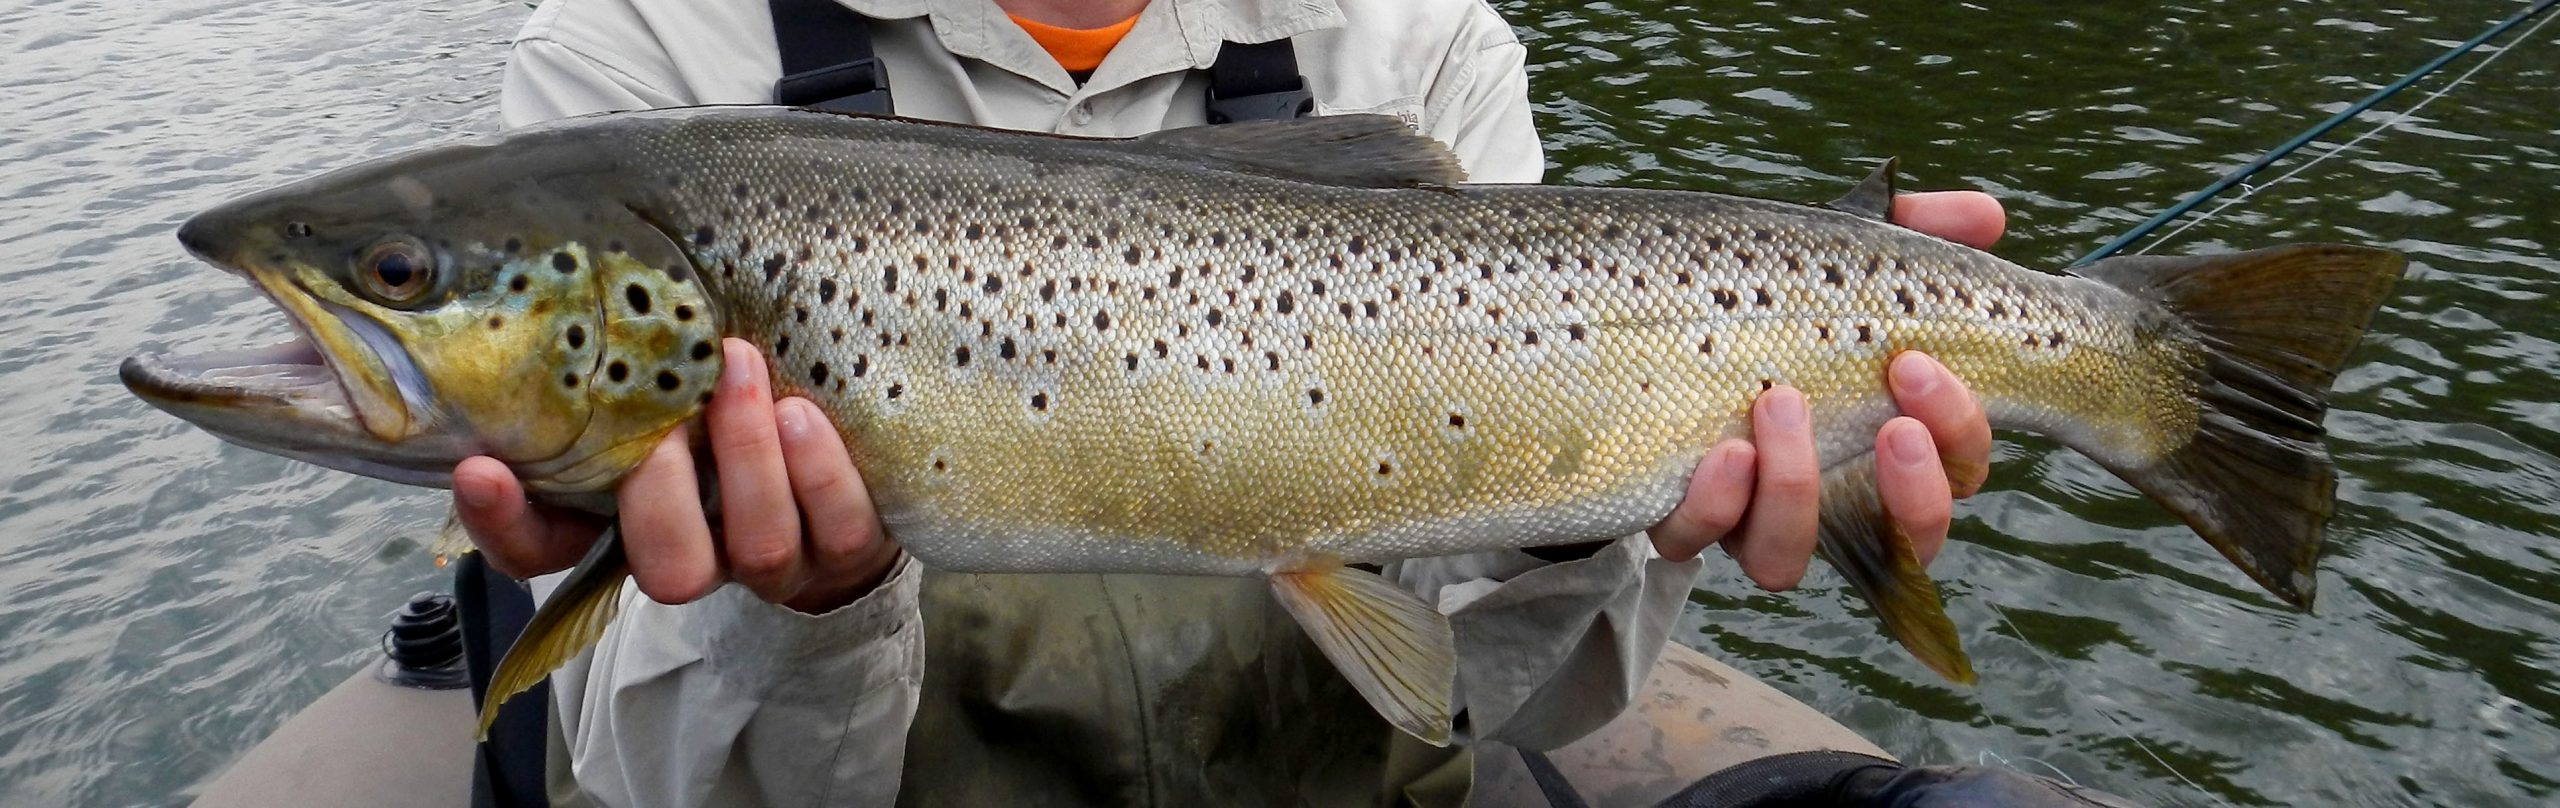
(1280,105)
(849,87)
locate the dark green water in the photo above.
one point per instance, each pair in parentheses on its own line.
(167,600)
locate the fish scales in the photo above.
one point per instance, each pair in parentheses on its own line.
(1054,354)
(1261,349)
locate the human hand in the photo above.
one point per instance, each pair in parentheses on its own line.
(798,526)
(1759,497)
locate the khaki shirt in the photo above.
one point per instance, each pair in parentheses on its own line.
(1074,689)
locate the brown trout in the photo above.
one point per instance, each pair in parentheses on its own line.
(1264,349)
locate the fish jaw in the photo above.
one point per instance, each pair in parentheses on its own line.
(329,395)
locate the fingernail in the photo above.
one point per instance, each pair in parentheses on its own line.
(1912,376)
(795,421)
(1908,447)
(737,363)
(1732,467)
(1786,408)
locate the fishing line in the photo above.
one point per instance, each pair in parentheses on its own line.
(2241,174)
(2248,190)
(2121,730)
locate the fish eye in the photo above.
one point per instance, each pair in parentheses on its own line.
(396,272)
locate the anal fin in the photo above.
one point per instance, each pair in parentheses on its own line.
(566,625)
(1394,648)
(1861,540)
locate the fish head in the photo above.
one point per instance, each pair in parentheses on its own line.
(493,299)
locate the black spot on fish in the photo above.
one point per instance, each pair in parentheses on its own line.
(896,390)
(1902,297)
(1048,290)
(1765,384)
(1822,332)
(1162,349)
(1346,310)
(993,285)
(782,346)
(577,337)
(1216,317)
(637,297)
(1005,350)
(1272,359)
(960,356)
(613,246)
(1040,401)
(1287,302)
(1575,332)
(703,236)
(517,283)
(497,322)
(617,371)
(1385,469)
(1831,275)
(889,278)
(773,267)
(1315,395)
(826,290)
(861,365)
(1707,345)
(564,262)
(667,381)
(1101,321)
(568,380)
(1760,297)
(1866,334)
(701,351)
(800,314)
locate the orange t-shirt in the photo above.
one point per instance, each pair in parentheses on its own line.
(1079,50)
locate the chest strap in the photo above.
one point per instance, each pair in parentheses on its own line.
(1258,82)
(827,63)
(826,58)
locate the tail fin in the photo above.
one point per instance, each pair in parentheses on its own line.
(2276,324)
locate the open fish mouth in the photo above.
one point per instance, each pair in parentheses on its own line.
(291,373)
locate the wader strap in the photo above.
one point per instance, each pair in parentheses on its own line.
(507,771)
(826,58)
(1257,81)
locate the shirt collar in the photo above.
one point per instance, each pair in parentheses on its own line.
(1170,36)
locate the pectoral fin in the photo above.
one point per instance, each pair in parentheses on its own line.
(1397,651)
(1861,540)
(451,540)
(566,625)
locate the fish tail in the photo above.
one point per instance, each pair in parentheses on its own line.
(2275,325)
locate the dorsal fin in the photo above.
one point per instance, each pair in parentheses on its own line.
(1360,151)
(1871,197)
